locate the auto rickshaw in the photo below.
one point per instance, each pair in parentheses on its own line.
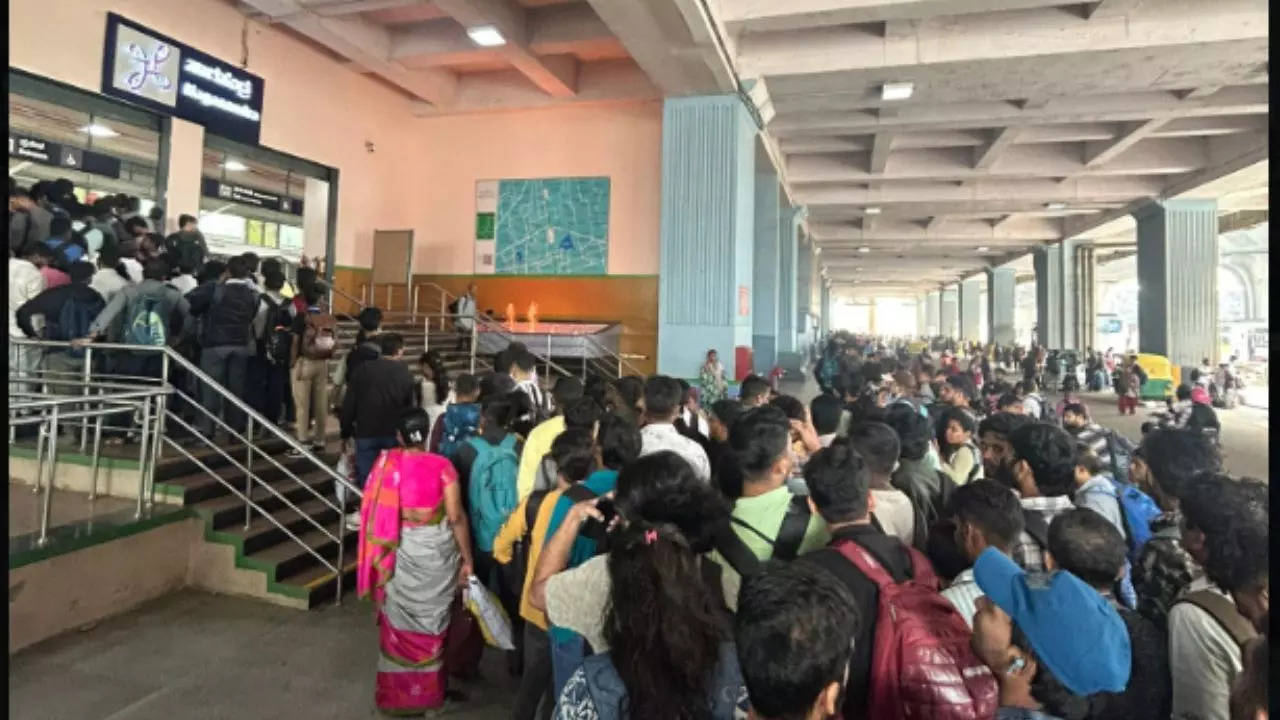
(1163,377)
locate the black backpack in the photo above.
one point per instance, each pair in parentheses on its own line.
(276,344)
(785,547)
(184,250)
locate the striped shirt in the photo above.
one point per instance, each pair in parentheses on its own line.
(1095,436)
(1026,551)
(964,593)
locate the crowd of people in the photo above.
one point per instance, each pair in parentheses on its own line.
(80,272)
(904,545)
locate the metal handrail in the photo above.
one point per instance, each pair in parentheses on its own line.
(200,375)
(148,469)
(498,329)
(335,289)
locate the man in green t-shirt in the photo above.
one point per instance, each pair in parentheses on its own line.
(770,520)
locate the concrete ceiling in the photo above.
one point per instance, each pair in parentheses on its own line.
(1017,104)
(557,51)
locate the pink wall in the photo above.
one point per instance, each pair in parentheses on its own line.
(622,142)
(422,173)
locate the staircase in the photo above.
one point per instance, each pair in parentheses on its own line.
(292,573)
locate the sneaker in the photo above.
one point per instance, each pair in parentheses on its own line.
(353,521)
(295,454)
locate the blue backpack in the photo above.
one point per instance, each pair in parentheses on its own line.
(147,322)
(461,422)
(491,488)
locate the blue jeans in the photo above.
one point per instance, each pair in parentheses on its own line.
(566,658)
(367,451)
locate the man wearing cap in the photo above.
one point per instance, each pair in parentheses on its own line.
(1040,468)
(1035,629)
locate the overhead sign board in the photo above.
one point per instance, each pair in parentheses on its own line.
(44,152)
(163,75)
(250,196)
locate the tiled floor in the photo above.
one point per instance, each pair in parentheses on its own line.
(204,657)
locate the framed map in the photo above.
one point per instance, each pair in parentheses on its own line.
(553,226)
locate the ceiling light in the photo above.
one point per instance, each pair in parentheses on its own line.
(984,248)
(864,249)
(1055,206)
(234,166)
(99,131)
(897,91)
(872,211)
(486,36)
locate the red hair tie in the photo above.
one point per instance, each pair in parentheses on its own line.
(650,536)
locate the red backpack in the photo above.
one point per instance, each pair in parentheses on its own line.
(922,666)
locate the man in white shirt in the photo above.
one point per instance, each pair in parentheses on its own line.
(662,406)
(987,515)
(25,282)
(466,318)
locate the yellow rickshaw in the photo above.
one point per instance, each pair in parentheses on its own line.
(1163,377)
(916,347)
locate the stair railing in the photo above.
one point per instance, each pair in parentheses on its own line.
(162,413)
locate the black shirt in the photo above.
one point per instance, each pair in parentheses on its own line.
(378,394)
(892,554)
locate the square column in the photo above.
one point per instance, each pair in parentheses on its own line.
(1068,313)
(825,324)
(1047,262)
(1178,280)
(1085,296)
(969,320)
(949,319)
(765,273)
(183,160)
(933,314)
(708,221)
(922,322)
(1000,305)
(804,296)
(787,250)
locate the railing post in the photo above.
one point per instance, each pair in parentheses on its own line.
(443,307)
(342,537)
(475,328)
(97,454)
(548,363)
(248,474)
(426,334)
(84,422)
(413,311)
(39,458)
(46,503)
(162,403)
(142,454)
(389,288)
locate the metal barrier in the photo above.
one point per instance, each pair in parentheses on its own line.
(149,451)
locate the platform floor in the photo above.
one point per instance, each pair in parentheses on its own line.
(66,507)
(197,656)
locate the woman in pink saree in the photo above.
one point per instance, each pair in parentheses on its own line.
(415,553)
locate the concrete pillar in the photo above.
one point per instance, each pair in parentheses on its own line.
(764,291)
(786,229)
(184,166)
(933,313)
(825,318)
(921,321)
(1178,280)
(1000,305)
(949,317)
(804,293)
(1048,266)
(1084,265)
(315,219)
(708,219)
(969,321)
(1068,317)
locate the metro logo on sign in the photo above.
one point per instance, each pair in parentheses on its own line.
(166,76)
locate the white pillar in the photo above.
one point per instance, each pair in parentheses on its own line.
(315,219)
(184,171)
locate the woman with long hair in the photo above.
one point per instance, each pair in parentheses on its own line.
(959,456)
(414,554)
(670,652)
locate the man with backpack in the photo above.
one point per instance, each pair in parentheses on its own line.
(461,418)
(768,520)
(28,221)
(316,332)
(269,368)
(381,390)
(227,310)
(907,634)
(68,312)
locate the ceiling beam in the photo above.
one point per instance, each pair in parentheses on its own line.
(1007,36)
(985,157)
(363,43)
(351,7)
(1119,107)
(654,36)
(774,15)
(556,76)
(880,147)
(1099,154)
(607,82)
(952,231)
